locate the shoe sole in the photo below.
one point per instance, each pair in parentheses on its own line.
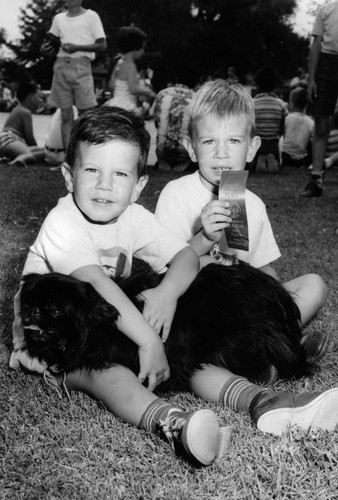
(202,437)
(320,413)
(319,345)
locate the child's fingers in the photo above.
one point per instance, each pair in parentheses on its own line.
(153,381)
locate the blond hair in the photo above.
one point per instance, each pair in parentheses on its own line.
(219,99)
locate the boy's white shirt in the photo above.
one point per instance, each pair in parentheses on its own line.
(84,29)
(179,208)
(67,241)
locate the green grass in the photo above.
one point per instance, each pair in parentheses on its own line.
(52,449)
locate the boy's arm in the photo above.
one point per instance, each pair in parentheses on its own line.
(160,302)
(27,125)
(313,63)
(268,269)
(153,362)
(100,45)
(134,83)
(215,217)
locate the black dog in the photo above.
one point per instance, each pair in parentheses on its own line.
(236,317)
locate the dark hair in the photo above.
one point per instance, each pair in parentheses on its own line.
(265,79)
(108,123)
(24,89)
(130,38)
(298,98)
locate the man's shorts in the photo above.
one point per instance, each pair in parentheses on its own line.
(72,84)
(327,86)
(6,138)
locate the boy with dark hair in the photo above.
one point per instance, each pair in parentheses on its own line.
(92,235)
(270,113)
(125,82)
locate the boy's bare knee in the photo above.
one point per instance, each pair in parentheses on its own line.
(319,287)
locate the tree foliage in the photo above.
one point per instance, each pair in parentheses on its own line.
(188,39)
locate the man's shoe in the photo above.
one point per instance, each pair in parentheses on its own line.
(196,434)
(316,345)
(312,190)
(274,412)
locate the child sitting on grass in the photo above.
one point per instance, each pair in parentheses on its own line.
(270,113)
(92,235)
(17,141)
(222,138)
(298,131)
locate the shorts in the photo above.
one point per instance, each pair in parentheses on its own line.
(269,146)
(6,138)
(171,151)
(327,86)
(72,84)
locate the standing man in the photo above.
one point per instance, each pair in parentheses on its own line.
(80,34)
(322,88)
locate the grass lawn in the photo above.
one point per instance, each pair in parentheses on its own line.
(51,448)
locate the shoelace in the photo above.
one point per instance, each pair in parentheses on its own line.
(171,427)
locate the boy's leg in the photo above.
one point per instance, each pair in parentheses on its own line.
(67,120)
(196,434)
(271,412)
(309,292)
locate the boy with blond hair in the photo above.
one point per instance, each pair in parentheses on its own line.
(222,138)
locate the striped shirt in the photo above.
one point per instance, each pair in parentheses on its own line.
(270,113)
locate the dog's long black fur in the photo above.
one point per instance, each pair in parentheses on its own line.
(236,317)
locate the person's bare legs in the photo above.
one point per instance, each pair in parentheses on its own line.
(309,292)
(117,388)
(67,120)
(122,393)
(272,412)
(322,130)
(321,134)
(20,154)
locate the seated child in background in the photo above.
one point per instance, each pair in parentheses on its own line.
(124,82)
(171,120)
(298,131)
(17,141)
(92,235)
(270,113)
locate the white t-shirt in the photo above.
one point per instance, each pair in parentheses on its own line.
(84,29)
(179,208)
(298,132)
(326,26)
(67,241)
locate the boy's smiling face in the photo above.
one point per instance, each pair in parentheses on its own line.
(219,145)
(104,179)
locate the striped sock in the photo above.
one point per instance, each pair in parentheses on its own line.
(238,393)
(156,411)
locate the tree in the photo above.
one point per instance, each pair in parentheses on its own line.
(35,20)
(188,39)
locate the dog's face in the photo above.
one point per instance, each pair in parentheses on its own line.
(56,312)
